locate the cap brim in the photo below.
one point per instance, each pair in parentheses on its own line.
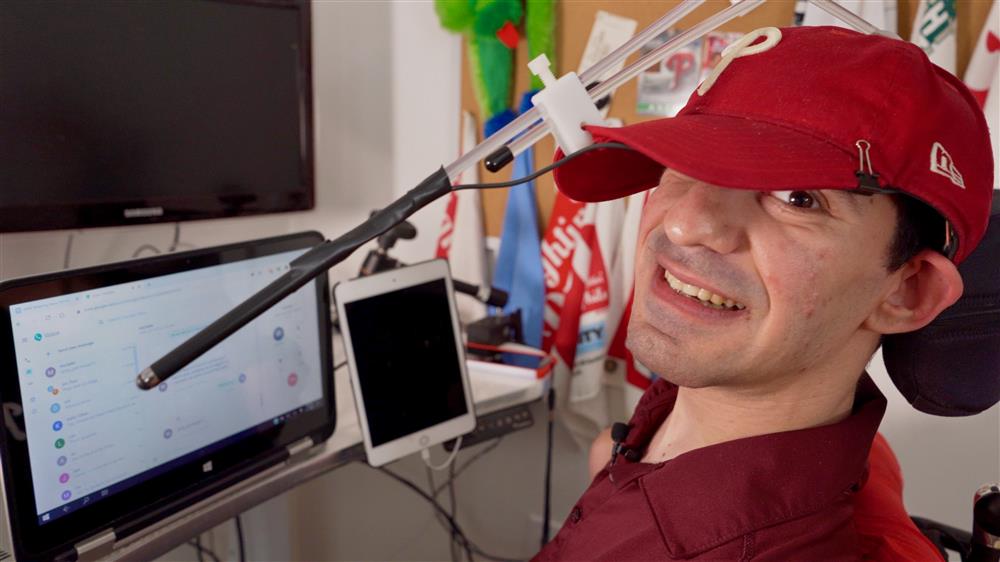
(722,150)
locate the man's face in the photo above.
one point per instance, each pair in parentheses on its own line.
(797,274)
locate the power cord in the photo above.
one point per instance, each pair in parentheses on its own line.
(453,473)
(239,538)
(175,245)
(138,251)
(460,535)
(426,455)
(203,551)
(69,250)
(548,467)
(458,471)
(441,520)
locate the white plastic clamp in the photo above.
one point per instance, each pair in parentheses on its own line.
(565,105)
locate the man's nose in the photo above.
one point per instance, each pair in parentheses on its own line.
(709,216)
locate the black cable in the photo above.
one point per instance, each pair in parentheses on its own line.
(452,540)
(548,469)
(454,504)
(198,547)
(339,365)
(451,522)
(474,458)
(69,250)
(239,538)
(152,248)
(177,238)
(453,473)
(203,550)
(542,171)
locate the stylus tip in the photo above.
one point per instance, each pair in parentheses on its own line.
(147,379)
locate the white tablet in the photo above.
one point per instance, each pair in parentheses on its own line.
(406,359)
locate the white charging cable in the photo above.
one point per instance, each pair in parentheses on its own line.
(426,455)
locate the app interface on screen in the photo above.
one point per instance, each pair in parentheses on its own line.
(92,432)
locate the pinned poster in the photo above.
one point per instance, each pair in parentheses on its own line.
(665,88)
(609,32)
(935,31)
(882,14)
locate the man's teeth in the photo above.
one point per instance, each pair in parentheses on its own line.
(706,297)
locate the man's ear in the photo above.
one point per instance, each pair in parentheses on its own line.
(924,286)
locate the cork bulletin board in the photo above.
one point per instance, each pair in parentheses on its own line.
(573,24)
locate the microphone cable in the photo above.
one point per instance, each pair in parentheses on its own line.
(548,466)
(542,171)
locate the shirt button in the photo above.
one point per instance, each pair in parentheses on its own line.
(575,515)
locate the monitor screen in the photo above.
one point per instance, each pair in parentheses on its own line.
(142,111)
(407,361)
(91,433)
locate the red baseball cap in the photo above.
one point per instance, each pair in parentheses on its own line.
(807,108)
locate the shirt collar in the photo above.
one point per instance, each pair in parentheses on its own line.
(709,496)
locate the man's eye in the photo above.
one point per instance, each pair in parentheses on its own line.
(800,199)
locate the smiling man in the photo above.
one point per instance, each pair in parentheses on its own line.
(814,196)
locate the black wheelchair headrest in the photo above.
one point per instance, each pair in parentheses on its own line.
(951,367)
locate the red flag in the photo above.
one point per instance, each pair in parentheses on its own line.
(566,266)
(447,227)
(985,57)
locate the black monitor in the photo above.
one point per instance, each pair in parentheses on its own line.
(138,111)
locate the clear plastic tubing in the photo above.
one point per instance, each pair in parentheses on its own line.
(536,133)
(537,129)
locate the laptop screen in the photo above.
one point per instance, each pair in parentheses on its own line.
(91,433)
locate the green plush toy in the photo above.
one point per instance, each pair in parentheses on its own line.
(490,29)
(540,29)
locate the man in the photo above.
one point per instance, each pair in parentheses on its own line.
(815,194)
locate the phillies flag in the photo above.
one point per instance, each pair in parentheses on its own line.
(566,267)
(461,240)
(577,295)
(593,335)
(880,13)
(519,263)
(935,31)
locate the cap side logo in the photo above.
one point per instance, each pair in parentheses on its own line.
(942,164)
(741,48)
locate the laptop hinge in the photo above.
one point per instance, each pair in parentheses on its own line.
(96,547)
(299,447)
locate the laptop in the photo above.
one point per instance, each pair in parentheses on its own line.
(86,453)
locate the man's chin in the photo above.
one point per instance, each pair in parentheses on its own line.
(668,358)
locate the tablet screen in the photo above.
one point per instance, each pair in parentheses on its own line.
(407,361)
(91,433)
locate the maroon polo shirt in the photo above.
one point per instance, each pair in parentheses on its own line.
(783,496)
